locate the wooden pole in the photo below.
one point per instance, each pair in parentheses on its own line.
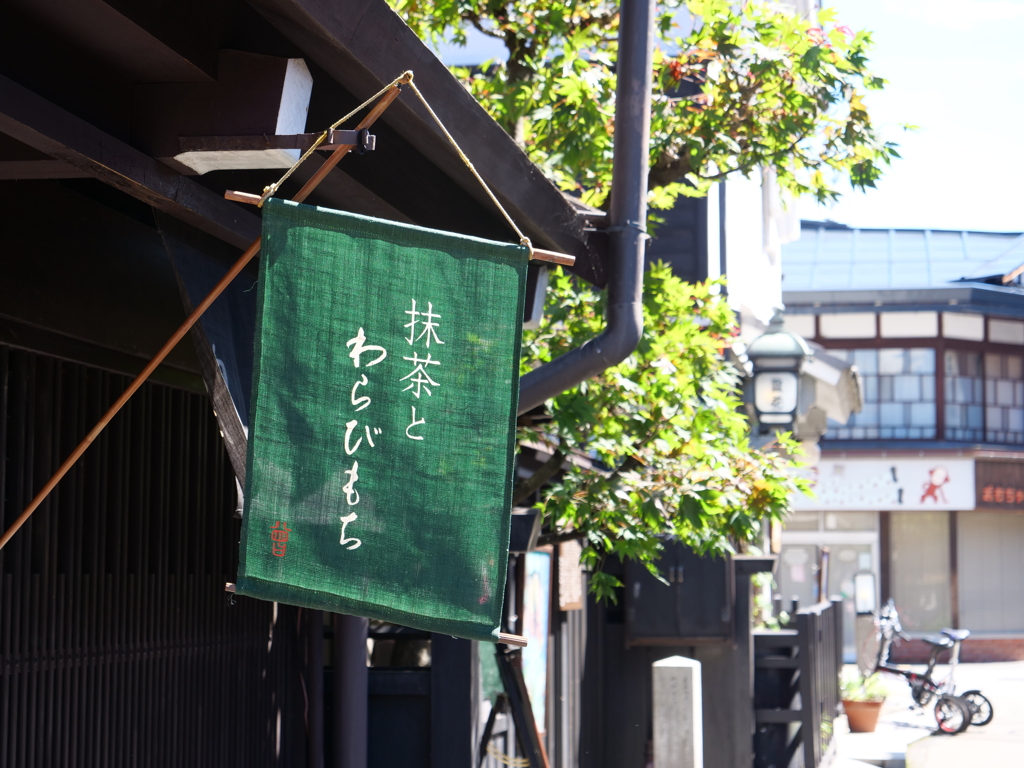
(247,256)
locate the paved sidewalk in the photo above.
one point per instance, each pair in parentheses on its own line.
(905,737)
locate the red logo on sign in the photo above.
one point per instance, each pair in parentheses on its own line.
(279,536)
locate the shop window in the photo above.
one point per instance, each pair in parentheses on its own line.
(991,571)
(984,397)
(846,561)
(1004,399)
(851,521)
(798,575)
(965,396)
(803,521)
(919,569)
(899,395)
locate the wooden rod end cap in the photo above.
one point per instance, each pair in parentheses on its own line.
(539,254)
(242,197)
(517,640)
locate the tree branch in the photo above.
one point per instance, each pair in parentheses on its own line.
(631,463)
(474,19)
(601,19)
(664,173)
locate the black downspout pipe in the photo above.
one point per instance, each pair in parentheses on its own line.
(315,684)
(351,692)
(624,322)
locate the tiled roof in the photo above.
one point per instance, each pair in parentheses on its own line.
(830,257)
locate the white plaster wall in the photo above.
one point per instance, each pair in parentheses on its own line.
(753,266)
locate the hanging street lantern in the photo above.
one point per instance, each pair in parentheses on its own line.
(777,357)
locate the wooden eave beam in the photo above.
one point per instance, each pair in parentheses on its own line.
(362,44)
(19,162)
(42,125)
(339,190)
(24,170)
(146,42)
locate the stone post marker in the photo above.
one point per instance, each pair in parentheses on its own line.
(678,721)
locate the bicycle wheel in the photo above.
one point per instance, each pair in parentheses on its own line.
(952,715)
(980,706)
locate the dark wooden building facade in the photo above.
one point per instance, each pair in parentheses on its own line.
(118,644)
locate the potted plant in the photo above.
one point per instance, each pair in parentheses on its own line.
(862,700)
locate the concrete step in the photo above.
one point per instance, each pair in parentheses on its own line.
(973,747)
(849,762)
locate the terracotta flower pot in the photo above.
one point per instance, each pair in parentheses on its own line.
(862,715)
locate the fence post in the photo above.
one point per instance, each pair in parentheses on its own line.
(837,608)
(807,630)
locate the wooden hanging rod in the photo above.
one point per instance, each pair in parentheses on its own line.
(361,141)
(503,637)
(539,254)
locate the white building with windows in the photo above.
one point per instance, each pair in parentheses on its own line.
(925,486)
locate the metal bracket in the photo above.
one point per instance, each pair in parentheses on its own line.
(364,140)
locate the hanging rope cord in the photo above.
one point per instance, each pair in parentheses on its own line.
(523,239)
(512,762)
(404,79)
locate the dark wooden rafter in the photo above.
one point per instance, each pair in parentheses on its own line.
(42,60)
(363,43)
(340,190)
(77,268)
(46,168)
(20,162)
(45,127)
(147,42)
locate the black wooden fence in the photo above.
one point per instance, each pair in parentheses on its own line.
(118,646)
(796,688)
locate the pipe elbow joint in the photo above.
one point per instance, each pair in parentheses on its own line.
(623,334)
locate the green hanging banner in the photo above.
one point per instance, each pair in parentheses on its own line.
(381,443)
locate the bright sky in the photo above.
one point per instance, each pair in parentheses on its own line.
(955,69)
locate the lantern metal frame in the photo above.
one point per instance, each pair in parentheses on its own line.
(777,357)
